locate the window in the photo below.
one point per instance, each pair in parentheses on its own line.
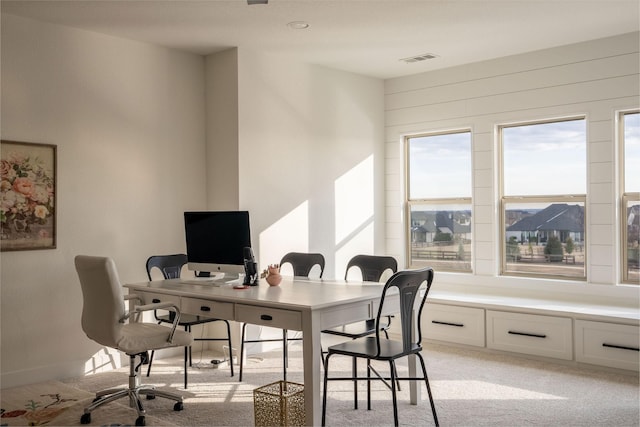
(543,194)
(630,182)
(439,200)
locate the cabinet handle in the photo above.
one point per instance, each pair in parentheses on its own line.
(438,322)
(623,347)
(205,308)
(265,317)
(527,334)
(156,300)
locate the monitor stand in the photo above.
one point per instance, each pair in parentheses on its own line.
(219,277)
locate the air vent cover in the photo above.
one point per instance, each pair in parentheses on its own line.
(419,58)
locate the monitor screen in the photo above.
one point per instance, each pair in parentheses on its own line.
(216,239)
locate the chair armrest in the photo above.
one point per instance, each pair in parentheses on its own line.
(162,306)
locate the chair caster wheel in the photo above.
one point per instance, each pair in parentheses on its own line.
(178,406)
(85,419)
(151,396)
(140,421)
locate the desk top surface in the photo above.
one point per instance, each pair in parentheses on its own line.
(294,293)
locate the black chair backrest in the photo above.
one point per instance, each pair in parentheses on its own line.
(302,263)
(169,265)
(372,266)
(408,283)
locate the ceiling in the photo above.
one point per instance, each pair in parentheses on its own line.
(368,37)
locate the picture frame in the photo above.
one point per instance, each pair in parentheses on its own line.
(27,196)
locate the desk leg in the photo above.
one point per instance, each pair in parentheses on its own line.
(311,361)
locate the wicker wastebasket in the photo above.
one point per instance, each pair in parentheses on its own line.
(279,404)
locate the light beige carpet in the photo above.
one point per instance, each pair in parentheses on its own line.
(470,387)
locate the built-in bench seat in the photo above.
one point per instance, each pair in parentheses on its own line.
(590,332)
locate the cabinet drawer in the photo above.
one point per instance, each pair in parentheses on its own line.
(277,318)
(607,344)
(153,297)
(462,325)
(531,334)
(207,308)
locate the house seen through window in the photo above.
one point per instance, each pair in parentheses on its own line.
(439,200)
(543,194)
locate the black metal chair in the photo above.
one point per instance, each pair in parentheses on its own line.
(302,264)
(372,267)
(408,284)
(171,267)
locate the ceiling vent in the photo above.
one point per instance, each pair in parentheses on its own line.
(419,58)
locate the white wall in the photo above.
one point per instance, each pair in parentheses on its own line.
(311,160)
(144,133)
(128,122)
(596,78)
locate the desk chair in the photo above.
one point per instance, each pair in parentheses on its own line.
(104,320)
(408,284)
(372,268)
(171,267)
(303,264)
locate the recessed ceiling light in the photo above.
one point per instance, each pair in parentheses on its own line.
(298,25)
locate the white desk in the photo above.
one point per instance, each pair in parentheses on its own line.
(297,304)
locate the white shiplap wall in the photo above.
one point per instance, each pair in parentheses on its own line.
(595,79)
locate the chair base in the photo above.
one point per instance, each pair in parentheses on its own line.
(133,392)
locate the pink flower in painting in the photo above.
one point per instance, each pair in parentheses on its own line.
(24,186)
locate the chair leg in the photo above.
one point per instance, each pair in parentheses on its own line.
(150,362)
(354,373)
(230,347)
(186,352)
(244,326)
(285,359)
(392,368)
(324,394)
(426,380)
(368,384)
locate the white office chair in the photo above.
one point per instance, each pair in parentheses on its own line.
(104,320)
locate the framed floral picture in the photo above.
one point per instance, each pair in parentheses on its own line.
(28,191)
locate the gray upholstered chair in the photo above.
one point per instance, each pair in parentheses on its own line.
(105,320)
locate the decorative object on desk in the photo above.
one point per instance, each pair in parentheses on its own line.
(272,275)
(28,190)
(279,404)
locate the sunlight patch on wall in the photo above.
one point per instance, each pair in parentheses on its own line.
(354,199)
(359,243)
(288,234)
(105,360)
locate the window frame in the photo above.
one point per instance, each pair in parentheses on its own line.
(625,197)
(408,202)
(503,201)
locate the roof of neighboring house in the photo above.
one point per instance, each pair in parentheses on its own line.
(442,220)
(558,216)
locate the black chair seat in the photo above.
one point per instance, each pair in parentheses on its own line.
(367,348)
(357,330)
(185,319)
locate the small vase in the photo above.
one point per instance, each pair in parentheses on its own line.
(274,279)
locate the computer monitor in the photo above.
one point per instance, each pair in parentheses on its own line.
(216,241)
